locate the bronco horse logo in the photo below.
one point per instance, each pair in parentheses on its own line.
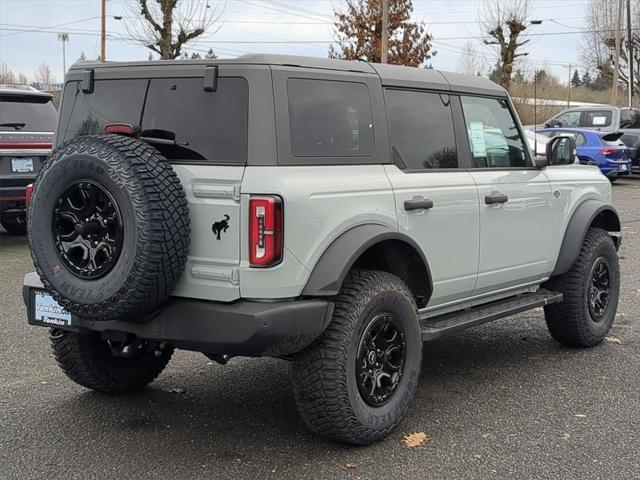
(222,226)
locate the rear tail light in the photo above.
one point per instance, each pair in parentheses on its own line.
(29,194)
(265,231)
(26,145)
(608,150)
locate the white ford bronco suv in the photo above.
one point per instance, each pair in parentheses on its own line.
(333,214)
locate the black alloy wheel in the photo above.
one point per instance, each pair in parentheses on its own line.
(599,288)
(380,360)
(87,229)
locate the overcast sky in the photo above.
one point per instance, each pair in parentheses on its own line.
(249,25)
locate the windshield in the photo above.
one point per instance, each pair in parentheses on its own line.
(27,113)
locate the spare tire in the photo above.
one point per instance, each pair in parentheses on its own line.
(109,227)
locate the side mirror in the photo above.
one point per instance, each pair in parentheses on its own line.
(561,150)
(540,162)
(553,124)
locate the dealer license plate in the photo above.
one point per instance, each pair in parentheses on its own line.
(22,165)
(47,311)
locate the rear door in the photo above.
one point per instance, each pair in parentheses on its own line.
(201,127)
(516,201)
(436,200)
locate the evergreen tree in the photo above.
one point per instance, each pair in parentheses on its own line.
(586,79)
(195,56)
(210,55)
(575,80)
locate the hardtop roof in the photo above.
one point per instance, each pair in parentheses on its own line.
(389,74)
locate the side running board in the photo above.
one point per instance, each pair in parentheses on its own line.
(435,327)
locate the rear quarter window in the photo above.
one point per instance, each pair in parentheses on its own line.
(329,118)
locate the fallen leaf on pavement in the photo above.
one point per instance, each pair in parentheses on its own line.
(580,415)
(566,436)
(351,466)
(614,340)
(415,439)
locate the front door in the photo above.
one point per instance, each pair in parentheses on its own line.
(436,202)
(516,221)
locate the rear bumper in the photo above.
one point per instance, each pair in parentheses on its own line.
(248,328)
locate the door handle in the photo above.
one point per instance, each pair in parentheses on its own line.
(495,197)
(418,203)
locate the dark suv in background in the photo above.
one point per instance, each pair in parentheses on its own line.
(27,125)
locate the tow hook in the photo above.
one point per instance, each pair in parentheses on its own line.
(132,349)
(220,359)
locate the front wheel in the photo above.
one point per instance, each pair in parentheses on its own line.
(590,289)
(356,381)
(91,362)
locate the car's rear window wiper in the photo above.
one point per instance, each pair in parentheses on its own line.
(160,137)
(16,125)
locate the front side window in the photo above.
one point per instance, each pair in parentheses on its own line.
(494,138)
(329,118)
(421,129)
(568,119)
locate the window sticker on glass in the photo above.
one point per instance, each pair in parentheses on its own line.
(599,121)
(477,139)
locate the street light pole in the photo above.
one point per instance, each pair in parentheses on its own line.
(63,37)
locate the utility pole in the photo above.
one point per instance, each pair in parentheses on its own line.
(630,47)
(616,62)
(63,37)
(103,32)
(569,94)
(385,32)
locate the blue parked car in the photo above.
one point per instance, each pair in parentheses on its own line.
(594,147)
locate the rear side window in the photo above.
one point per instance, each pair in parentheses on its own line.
(596,118)
(421,129)
(27,113)
(329,118)
(494,138)
(206,126)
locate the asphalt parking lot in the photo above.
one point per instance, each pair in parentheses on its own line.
(499,401)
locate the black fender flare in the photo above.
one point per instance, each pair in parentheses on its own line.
(334,264)
(589,212)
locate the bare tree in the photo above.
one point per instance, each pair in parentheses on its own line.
(43,76)
(598,42)
(165,26)
(503,23)
(6,74)
(22,79)
(358,30)
(470,61)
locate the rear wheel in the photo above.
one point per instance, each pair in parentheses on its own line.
(95,364)
(590,289)
(14,225)
(355,383)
